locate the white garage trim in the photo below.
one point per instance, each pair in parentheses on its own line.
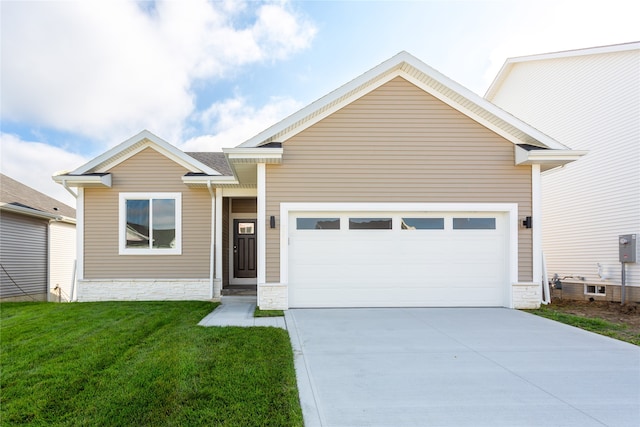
(536,208)
(510,209)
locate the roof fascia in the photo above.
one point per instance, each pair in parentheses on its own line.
(103,180)
(510,62)
(547,159)
(423,76)
(133,146)
(253,155)
(204,180)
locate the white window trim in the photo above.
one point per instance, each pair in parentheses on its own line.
(586,292)
(122,224)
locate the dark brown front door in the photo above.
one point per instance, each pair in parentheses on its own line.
(244,248)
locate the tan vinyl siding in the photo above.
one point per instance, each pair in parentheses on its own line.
(398,144)
(147,171)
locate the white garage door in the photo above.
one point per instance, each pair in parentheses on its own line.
(396,259)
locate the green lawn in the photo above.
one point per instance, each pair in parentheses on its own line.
(141,363)
(599,326)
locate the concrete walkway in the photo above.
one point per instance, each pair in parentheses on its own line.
(238,311)
(459,367)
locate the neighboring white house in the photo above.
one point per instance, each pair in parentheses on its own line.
(37,245)
(590,100)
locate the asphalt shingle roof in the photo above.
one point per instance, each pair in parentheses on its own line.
(15,193)
(215,160)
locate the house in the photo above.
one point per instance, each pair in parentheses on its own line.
(400,188)
(37,244)
(588,98)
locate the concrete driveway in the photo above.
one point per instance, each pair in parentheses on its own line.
(459,367)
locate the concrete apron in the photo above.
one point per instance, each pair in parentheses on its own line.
(459,367)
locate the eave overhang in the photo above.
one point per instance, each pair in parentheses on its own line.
(253,155)
(547,159)
(95,180)
(204,181)
(23,210)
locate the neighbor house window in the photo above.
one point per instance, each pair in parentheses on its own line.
(595,289)
(150,224)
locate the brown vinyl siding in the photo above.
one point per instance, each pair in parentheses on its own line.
(398,144)
(147,171)
(244,206)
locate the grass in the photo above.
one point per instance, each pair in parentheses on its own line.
(267,313)
(599,326)
(141,363)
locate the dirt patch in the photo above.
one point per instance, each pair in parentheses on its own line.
(614,312)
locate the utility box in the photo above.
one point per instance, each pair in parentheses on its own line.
(627,247)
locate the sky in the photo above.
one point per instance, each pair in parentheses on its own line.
(79,77)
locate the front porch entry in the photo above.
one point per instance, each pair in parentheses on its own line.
(240,243)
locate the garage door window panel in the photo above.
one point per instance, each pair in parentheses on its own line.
(474,223)
(370,224)
(422,224)
(318,223)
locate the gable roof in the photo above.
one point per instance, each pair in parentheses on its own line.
(510,62)
(431,81)
(21,198)
(134,145)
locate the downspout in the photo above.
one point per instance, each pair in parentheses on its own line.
(66,187)
(213,239)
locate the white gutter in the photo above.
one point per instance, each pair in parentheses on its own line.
(30,212)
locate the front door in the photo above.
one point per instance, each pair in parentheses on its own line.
(244,248)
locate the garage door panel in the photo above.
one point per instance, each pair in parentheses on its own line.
(363,296)
(398,267)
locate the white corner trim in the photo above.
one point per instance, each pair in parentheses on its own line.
(218,226)
(79,242)
(261,222)
(536,217)
(511,209)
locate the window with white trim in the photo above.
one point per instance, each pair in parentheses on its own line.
(595,289)
(150,224)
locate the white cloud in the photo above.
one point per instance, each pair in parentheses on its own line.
(233,121)
(33,164)
(108,69)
